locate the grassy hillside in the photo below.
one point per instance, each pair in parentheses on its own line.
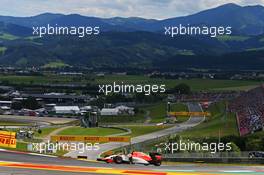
(7,36)
(2,50)
(139,50)
(220,124)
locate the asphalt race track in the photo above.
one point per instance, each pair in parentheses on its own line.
(24,164)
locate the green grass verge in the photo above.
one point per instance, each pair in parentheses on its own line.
(21,146)
(208,129)
(138,118)
(180,107)
(13,124)
(157,112)
(142,130)
(45,132)
(90,131)
(217,124)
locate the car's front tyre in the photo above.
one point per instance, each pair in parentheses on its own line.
(118,160)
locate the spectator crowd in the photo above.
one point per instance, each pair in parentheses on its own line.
(249,109)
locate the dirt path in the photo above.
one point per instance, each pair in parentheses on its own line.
(55,132)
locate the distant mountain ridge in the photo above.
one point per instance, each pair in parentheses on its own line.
(247,20)
(137,42)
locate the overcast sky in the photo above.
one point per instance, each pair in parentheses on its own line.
(158,9)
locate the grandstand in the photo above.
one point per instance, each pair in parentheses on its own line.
(249,109)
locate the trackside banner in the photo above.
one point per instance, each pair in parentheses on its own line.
(193,114)
(7,139)
(90,139)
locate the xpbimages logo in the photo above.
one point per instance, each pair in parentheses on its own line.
(80,31)
(211,31)
(196,147)
(50,147)
(131,88)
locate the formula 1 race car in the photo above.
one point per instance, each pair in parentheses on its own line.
(134,158)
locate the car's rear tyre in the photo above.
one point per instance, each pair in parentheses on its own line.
(157,163)
(118,160)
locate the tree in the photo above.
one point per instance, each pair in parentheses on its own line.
(16,106)
(30,103)
(254,144)
(39,131)
(235,148)
(182,89)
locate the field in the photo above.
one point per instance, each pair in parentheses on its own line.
(195,84)
(141,129)
(180,107)
(138,118)
(220,124)
(21,146)
(90,131)
(216,126)
(45,132)
(48,79)
(57,64)
(157,112)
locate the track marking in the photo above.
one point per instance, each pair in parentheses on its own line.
(27,153)
(171,170)
(238,171)
(105,170)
